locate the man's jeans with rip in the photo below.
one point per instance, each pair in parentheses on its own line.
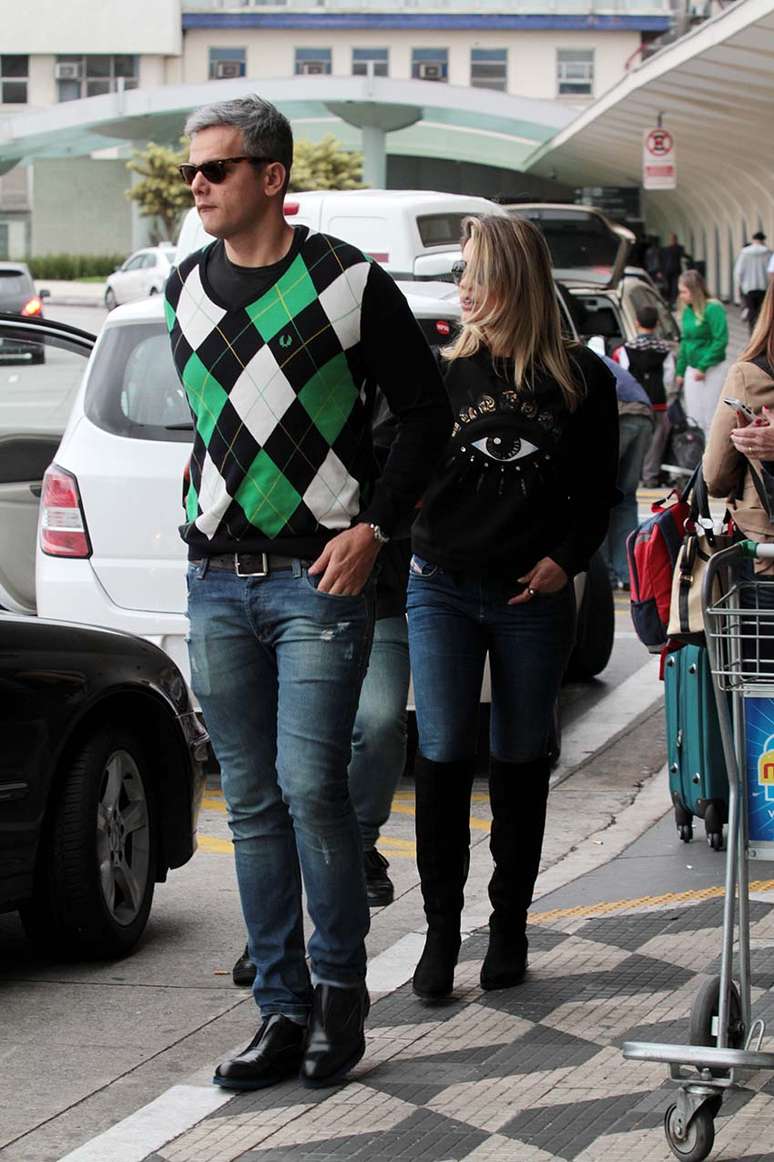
(277,668)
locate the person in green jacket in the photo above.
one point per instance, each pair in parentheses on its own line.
(701,360)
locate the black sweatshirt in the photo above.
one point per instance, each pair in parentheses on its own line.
(276,364)
(523,477)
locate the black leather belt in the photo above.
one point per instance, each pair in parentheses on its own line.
(253,564)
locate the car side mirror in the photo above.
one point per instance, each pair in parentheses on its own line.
(44,294)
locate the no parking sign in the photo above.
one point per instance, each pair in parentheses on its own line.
(659,165)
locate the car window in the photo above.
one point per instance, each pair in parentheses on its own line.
(38,383)
(133,263)
(133,386)
(577,241)
(441,229)
(641,295)
(14,282)
(600,317)
(148,261)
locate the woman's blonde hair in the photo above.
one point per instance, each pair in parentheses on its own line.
(700,296)
(762,338)
(519,316)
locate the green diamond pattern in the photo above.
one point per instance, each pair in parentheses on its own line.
(191,502)
(329,397)
(169,314)
(288,297)
(205,396)
(266,497)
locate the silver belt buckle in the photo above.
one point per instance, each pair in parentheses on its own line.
(263,572)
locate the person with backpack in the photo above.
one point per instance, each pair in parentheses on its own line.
(652,364)
(701,359)
(518,505)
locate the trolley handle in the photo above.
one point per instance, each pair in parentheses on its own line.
(758,549)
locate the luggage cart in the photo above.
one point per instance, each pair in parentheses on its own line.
(724,1041)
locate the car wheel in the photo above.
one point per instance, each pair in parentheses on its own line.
(98,871)
(596,625)
(110,298)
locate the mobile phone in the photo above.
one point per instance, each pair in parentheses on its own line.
(741,409)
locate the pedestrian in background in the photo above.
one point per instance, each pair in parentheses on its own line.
(701,366)
(277,333)
(635,429)
(652,363)
(519,505)
(672,267)
(751,275)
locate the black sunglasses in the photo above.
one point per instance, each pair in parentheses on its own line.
(215,171)
(458,270)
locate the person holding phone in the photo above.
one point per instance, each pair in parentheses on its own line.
(518,505)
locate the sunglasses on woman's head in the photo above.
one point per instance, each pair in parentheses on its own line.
(458,270)
(215,171)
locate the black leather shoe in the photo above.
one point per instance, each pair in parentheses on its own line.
(505,963)
(433,978)
(336,1037)
(275,1053)
(378,884)
(243,972)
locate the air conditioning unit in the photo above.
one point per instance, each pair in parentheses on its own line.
(429,71)
(312,68)
(225,70)
(68,71)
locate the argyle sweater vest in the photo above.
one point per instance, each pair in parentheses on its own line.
(282,456)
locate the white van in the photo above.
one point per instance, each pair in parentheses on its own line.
(413,234)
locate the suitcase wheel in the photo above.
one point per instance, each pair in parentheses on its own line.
(685,831)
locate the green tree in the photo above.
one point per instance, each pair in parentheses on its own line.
(325,165)
(160,193)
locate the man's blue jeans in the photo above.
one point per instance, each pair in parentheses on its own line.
(635,433)
(453,624)
(379,736)
(277,668)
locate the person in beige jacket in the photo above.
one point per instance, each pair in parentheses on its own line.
(734,452)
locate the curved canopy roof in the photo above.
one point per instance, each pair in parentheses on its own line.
(441,121)
(714,89)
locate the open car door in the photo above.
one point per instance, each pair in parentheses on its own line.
(41,367)
(585,245)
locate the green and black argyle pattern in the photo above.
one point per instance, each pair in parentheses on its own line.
(276,389)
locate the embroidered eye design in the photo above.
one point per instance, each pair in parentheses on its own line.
(504,448)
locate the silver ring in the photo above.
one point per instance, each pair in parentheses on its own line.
(532,592)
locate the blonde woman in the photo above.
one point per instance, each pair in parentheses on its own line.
(701,366)
(520,503)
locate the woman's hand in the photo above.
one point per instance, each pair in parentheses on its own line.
(756,440)
(545,577)
(698,374)
(679,380)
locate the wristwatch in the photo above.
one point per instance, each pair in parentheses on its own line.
(379,536)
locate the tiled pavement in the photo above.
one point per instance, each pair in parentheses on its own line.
(530,1074)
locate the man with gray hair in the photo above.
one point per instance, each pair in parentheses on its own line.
(277,335)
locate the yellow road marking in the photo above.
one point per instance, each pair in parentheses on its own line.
(219,846)
(604,907)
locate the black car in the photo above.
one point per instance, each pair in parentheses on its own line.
(101,778)
(19,297)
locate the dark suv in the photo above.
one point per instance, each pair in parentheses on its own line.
(19,297)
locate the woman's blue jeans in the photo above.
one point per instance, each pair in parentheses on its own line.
(453,624)
(277,668)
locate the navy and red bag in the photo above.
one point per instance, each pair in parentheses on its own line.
(651,551)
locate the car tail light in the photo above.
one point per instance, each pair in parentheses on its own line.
(62,524)
(379,255)
(33,306)
(442,327)
(291,208)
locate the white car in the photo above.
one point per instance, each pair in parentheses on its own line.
(413,234)
(144,273)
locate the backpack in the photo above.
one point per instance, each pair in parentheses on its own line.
(651,551)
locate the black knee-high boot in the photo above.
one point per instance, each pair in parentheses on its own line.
(518,794)
(443,857)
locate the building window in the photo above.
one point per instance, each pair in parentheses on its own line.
(313,62)
(489,68)
(430,64)
(92,76)
(226,63)
(14,71)
(362,56)
(575,72)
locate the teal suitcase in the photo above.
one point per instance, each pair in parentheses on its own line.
(698,782)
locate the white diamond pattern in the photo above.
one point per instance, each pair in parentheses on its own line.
(261,395)
(214,499)
(197,314)
(334,495)
(342,302)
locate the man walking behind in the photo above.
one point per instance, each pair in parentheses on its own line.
(751,275)
(275,333)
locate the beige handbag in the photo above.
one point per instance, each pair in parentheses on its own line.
(686,618)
